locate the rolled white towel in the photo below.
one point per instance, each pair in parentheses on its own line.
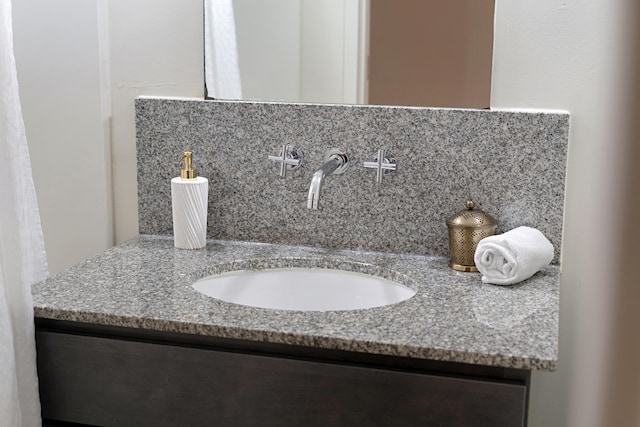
(512,257)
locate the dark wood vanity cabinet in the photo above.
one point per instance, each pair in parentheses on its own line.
(108,376)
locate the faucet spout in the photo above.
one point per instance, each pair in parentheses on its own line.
(334,162)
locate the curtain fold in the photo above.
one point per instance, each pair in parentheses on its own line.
(222,71)
(22,253)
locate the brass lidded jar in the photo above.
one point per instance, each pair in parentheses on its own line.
(466,229)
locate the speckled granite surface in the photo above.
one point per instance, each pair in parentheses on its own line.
(146,283)
(511,163)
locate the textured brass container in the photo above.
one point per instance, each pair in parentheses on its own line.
(466,229)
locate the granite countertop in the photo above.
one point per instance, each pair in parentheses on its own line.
(146,283)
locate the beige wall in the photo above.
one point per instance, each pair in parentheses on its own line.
(431,52)
(621,405)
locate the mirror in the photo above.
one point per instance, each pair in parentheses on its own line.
(408,52)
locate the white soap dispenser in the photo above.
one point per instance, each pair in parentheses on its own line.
(189,194)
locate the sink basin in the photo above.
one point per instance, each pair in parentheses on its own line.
(305,289)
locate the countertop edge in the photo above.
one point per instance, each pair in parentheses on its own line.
(352,345)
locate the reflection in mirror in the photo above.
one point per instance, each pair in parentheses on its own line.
(222,75)
(407,52)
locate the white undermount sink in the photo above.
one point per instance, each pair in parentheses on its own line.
(304,289)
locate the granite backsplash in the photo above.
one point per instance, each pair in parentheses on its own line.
(512,164)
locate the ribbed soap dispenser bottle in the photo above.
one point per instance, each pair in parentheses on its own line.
(189,194)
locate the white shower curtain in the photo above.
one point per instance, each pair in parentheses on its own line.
(222,71)
(22,255)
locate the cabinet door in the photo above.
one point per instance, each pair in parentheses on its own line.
(111,382)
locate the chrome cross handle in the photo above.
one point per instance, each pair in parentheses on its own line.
(290,158)
(384,163)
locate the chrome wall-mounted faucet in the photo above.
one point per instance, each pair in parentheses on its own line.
(336,162)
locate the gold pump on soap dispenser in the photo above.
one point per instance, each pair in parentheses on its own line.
(188,172)
(466,229)
(189,198)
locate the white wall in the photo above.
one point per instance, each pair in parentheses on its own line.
(81,63)
(568,55)
(156,48)
(59,48)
